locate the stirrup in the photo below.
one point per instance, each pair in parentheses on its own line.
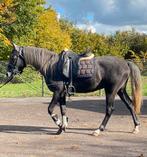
(71,90)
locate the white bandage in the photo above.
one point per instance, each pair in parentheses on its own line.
(64,121)
(58,122)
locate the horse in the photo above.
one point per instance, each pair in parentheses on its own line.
(111,74)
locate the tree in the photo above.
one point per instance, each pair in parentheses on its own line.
(48,33)
(136,43)
(7,15)
(26,14)
(83,40)
(66,26)
(6,18)
(17,18)
(4,46)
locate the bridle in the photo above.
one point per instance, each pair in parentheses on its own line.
(19,54)
(7,81)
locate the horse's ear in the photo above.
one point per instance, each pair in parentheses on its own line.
(15,47)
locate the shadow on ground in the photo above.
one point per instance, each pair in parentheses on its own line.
(99,106)
(19,129)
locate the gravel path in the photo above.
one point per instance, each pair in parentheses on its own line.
(26,130)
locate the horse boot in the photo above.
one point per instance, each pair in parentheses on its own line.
(64,123)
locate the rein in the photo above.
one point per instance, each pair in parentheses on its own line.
(7,81)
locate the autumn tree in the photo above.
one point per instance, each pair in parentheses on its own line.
(7,15)
(118,45)
(17,18)
(48,33)
(135,43)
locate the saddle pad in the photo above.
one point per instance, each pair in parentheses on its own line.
(86,68)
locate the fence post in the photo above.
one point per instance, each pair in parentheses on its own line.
(42,85)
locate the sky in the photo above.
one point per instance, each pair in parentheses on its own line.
(104,16)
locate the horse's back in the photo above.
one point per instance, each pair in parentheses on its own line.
(112,64)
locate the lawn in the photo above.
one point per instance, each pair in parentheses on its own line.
(33,89)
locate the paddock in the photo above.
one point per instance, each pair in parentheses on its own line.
(26,129)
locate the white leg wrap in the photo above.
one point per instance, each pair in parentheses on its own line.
(52,115)
(58,122)
(64,121)
(96,132)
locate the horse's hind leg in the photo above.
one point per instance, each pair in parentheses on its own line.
(109,109)
(126,99)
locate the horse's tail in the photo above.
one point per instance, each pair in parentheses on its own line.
(136,86)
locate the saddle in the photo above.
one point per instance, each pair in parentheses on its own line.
(79,66)
(73,66)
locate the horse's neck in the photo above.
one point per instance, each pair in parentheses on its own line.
(41,61)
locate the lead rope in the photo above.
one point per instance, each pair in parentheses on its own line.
(7,81)
(32,87)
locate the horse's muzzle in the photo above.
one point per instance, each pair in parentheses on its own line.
(9,74)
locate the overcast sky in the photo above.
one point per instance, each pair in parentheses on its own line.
(104,16)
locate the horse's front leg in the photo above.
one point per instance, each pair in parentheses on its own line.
(54,101)
(63,110)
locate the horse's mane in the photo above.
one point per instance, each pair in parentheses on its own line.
(39,57)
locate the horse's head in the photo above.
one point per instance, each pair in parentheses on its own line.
(16,62)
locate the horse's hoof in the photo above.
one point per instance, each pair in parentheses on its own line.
(136,130)
(96,132)
(59,131)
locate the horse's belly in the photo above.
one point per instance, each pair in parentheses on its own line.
(85,85)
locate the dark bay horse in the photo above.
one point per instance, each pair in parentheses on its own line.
(111,73)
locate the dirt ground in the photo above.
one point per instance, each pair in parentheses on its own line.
(26,130)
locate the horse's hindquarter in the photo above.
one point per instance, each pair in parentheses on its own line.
(113,69)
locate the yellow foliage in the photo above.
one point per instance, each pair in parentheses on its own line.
(7,15)
(4,39)
(4,4)
(49,34)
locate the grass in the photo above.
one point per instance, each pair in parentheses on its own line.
(34,89)
(144,85)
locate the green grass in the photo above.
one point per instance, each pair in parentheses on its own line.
(145,86)
(34,89)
